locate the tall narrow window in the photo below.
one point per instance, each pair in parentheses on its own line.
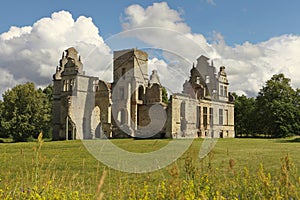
(225,91)
(205,117)
(207,79)
(198,117)
(226,117)
(95,85)
(123,73)
(221,90)
(72,84)
(123,117)
(220,117)
(211,116)
(141,93)
(122,95)
(198,80)
(67,85)
(64,85)
(183,122)
(182,110)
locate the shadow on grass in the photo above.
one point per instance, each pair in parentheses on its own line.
(10,140)
(289,140)
(6,140)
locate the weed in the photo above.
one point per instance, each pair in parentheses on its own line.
(27,174)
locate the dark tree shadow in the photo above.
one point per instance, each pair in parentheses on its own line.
(291,140)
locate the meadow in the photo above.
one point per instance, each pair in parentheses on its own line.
(235,169)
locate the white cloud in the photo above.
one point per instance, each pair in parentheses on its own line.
(212,2)
(15,32)
(163,28)
(31,53)
(157,15)
(248,65)
(174,77)
(6,80)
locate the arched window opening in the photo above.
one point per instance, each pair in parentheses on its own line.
(123,73)
(141,93)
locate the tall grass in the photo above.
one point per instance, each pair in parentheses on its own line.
(35,180)
(31,175)
(190,182)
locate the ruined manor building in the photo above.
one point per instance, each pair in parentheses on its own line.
(85,107)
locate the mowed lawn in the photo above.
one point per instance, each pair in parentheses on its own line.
(69,164)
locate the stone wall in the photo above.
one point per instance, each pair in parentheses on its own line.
(190,118)
(131,106)
(182,117)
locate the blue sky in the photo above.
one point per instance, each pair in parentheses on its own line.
(237,20)
(252,39)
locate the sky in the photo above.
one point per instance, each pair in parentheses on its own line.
(252,39)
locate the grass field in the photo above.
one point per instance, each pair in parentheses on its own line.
(257,168)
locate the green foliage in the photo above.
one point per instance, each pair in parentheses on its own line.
(165,95)
(2,133)
(244,115)
(275,112)
(26,112)
(48,91)
(278,108)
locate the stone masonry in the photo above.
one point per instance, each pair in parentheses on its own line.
(85,107)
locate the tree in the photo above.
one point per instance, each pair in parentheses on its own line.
(48,91)
(165,95)
(244,115)
(278,108)
(2,133)
(26,112)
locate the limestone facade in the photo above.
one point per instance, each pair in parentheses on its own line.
(85,107)
(205,108)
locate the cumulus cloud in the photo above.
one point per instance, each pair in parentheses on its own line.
(175,75)
(248,65)
(31,53)
(157,15)
(163,28)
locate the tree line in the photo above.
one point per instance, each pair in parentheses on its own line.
(26,111)
(275,112)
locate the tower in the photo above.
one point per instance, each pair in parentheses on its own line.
(130,80)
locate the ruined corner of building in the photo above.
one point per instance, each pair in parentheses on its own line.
(131,105)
